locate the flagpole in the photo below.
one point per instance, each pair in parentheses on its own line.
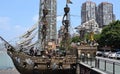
(66,2)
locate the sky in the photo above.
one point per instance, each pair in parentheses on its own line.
(17,16)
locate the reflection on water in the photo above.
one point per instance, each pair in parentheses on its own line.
(5,61)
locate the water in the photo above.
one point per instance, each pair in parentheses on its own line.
(6,64)
(5,61)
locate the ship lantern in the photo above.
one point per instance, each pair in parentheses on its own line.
(66,9)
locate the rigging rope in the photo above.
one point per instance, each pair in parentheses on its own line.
(24,40)
(28,33)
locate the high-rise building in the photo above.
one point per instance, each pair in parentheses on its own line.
(51,18)
(94,18)
(88,11)
(105,14)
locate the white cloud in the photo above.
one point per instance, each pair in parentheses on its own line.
(4,23)
(9,30)
(20,30)
(35,18)
(17,26)
(4,19)
(59,18)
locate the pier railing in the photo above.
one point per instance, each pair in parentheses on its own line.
(110,66)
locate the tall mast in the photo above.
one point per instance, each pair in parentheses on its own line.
(66,24)
(43,24)
(51,32)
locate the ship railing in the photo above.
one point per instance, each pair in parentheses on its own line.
(87,47)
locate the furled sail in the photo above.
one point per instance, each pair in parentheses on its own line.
(30,45)
(29,32)
(26,41)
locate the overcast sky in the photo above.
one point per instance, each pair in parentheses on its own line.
(16,16)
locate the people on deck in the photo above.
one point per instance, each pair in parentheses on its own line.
(31,51)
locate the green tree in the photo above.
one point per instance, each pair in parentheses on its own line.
(96,37)
(110,35)
(75,39)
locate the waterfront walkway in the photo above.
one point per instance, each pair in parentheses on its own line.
(107,65)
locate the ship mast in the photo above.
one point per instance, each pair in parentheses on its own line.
(43,25)
(50,6)
(66,24)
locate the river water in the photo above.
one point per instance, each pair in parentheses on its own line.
(6,64)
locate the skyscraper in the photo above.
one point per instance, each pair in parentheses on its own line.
(88,11)
(51,18)
(105,14)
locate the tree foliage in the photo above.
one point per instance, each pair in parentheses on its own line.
(110,35)
(96,37)
(75,39)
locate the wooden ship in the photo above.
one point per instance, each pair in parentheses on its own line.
(32,63)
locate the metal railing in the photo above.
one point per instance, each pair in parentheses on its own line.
(110,66)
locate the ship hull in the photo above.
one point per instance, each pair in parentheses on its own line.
(41,67)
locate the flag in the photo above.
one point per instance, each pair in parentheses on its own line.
(69,2)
